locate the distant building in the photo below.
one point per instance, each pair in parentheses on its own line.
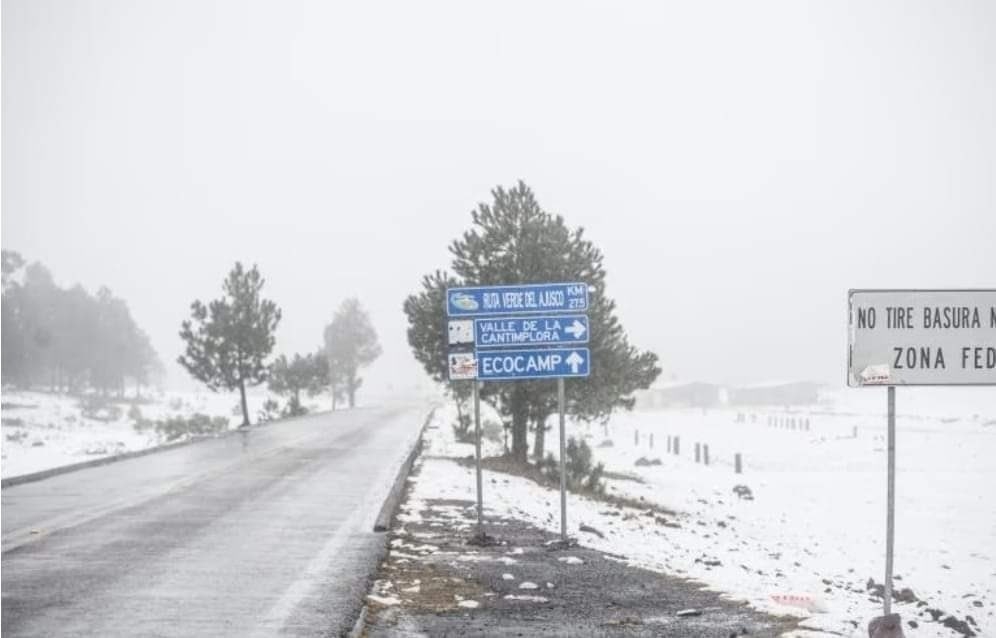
(681,395)
(788,393)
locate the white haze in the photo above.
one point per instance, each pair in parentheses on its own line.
(741,165)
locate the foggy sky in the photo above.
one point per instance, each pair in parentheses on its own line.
(741,165)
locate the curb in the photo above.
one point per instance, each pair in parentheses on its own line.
(124,456)
(393,500)
(360,624)
(384,519)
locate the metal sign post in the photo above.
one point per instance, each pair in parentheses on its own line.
(477,453)
(890,516)
(563,463)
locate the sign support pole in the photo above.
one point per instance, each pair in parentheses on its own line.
(890,517)
(477,453)
(563,464)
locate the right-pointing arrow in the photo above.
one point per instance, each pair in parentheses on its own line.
(574,360)
(577,329)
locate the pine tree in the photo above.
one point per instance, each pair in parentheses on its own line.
(514,241)
(12,262)
(13,331)
(228,340)
(334,381)
(67,338)
(350,344)
(289,378)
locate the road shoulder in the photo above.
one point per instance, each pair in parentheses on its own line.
(435,581)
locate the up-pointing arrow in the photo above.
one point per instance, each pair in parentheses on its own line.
(574,360)
(577,329)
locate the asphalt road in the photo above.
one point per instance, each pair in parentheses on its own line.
(263,532)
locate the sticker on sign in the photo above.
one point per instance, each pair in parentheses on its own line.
(462,366)
(922,337)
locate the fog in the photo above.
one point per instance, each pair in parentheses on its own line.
(741,165)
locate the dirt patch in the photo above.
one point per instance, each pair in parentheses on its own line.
(434,582)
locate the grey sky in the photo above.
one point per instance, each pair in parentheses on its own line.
(740,164)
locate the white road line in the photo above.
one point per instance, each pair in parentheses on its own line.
(279,613)
(362,519)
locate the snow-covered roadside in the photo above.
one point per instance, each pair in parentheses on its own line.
(43,431)
(816,524)
(814,528)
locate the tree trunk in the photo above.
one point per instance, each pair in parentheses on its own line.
(540,440)
(520,425)
(245,406)
(334,394)
(352,384)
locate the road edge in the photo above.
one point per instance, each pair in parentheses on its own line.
(393,500)
(361,622)
(41,475)
(386,517)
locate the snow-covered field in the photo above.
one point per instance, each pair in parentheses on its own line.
(42,431)
(815,527)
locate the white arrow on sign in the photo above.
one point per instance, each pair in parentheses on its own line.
(574,360)
(577,329)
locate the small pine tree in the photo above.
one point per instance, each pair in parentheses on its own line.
(228,340)
(350,344)
(308,373)
(581,471)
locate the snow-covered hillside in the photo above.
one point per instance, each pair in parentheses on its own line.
(42,431)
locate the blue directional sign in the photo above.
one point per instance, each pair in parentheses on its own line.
(533,330)
(521,299)
(534,363)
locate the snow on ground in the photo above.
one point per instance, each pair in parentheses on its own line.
(42,430)
(818,512)
(814,532)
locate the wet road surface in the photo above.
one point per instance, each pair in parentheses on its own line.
(262,532)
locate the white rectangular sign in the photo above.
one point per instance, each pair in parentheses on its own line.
(921,337)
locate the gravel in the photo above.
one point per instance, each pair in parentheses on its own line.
(593,594)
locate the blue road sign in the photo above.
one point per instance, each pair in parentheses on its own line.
(534,330)
(521,299)
(534,363)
